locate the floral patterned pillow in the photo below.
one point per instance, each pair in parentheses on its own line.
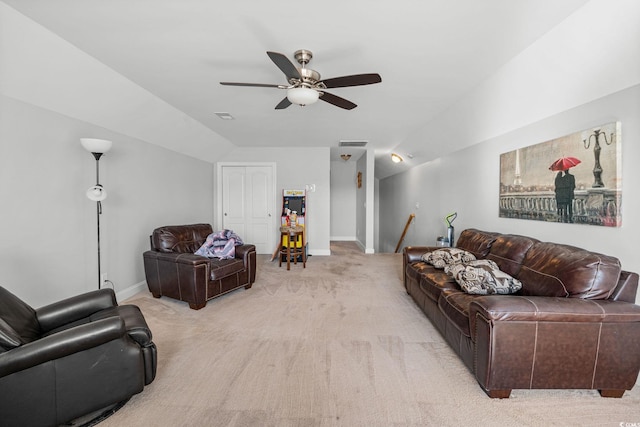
(450,269)
(440,258)
(483,277)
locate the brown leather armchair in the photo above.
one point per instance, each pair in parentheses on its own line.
(172,269)
(71,358)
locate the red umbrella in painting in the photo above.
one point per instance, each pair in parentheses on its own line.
(564,163)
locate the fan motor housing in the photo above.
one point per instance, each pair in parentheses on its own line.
(309,75)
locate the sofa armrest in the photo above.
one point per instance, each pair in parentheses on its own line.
(77,307)
(627,287)
(411,254)
(61,344)
(502,308)
(545,342)
(414,253)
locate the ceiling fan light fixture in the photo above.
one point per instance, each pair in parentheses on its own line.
(395,158)
(302,95)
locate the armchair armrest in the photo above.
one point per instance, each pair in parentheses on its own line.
(62,344)
(243,252)
(177,257)
(77,307)
(247,253)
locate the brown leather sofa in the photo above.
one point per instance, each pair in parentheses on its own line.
(172,269)
(572,325)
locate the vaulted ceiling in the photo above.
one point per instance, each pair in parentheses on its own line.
(429,53)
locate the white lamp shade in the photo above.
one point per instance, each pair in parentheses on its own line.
(97,193)
(302,95)
(94,145)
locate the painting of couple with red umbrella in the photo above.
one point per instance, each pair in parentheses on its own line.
(572,179)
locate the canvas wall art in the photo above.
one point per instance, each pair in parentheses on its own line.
(573,179)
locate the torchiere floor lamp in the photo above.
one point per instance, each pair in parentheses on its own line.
(97,193)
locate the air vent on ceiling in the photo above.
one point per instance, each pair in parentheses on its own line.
(352,143)
(224,116)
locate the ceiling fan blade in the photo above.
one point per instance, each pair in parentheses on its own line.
(285,65)
(337,101)
(253,85)
(354,80)
(283,104)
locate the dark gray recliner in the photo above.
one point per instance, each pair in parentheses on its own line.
(70,358)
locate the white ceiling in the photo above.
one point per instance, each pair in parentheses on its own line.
(428,52)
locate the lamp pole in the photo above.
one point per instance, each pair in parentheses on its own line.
(97,147)
(98,213)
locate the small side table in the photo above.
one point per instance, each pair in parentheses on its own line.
(290,249)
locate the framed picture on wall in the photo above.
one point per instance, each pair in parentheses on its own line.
(573,179)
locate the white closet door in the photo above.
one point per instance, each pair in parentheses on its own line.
(247,204)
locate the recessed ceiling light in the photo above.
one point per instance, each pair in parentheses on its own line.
(225,116)
(395,158)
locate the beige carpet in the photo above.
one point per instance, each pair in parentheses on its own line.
(339,343)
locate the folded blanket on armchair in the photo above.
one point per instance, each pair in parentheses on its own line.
(220,244)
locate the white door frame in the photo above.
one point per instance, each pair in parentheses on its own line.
(275,211)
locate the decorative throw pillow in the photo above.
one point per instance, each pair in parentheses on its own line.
(484,279)
(475,263)
(440,258)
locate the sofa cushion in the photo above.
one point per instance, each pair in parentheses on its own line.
(555,270)
(509,250)
(434,282)
(483,277)
(414,270)
(440,258)
(477,242)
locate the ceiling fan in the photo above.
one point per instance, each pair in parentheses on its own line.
(305,86)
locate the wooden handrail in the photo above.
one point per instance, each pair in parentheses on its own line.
(406,228)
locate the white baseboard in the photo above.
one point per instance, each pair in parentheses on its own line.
(320,252)
(131,291)
(365,250)
(342,238)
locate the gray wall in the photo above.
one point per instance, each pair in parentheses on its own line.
(48,248)
(467,181)
(53,94)
(343,200)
